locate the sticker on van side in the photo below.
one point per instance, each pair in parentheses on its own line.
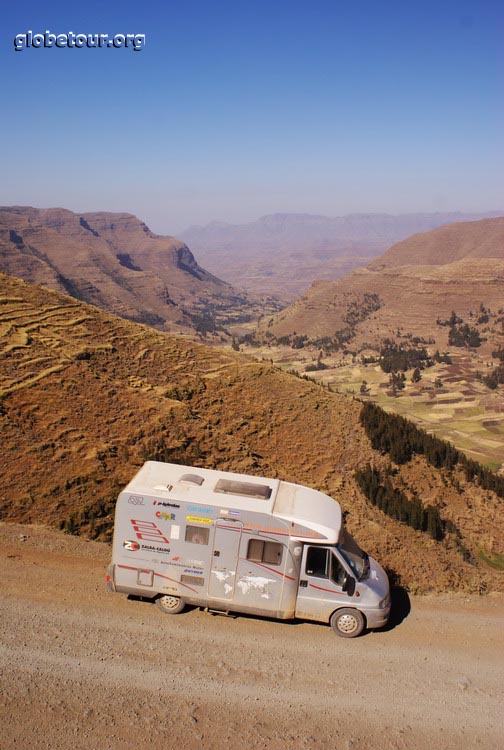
(200,510)
(131,546)
(198,520)
(165,516)
(135,500)
(148,531)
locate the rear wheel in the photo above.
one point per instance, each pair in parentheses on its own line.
(348,623)
(170,605)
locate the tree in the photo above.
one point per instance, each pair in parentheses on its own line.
(395,504)
(434,523)
(400,438)
(71,525)
(416,377)
(397,381)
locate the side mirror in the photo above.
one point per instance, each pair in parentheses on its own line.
(349,584)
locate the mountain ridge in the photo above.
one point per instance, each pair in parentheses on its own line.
(423,341)
(113,260)
(447,244)
(412,290)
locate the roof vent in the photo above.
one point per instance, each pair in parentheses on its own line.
(192,479)
(246,489)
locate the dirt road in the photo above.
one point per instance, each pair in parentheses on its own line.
(85,668)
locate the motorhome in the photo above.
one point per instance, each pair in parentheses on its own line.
(238,543)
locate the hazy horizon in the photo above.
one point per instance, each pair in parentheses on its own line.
(252,220)
(235,111)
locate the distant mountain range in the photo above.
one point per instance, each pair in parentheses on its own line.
(113,261)
(282,254)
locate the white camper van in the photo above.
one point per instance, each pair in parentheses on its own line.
(237,543)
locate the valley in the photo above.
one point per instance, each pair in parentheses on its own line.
(431,308)
(449,401)
(282,254)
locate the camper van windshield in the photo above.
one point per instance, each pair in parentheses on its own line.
(354,556)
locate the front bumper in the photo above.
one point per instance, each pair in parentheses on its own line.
(377,618)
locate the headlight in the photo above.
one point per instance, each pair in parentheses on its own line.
(385,602)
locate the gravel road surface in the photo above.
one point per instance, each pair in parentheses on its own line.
(81,667)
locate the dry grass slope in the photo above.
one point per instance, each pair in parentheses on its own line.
(87,397)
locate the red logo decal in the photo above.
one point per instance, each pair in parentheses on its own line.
(131,546)
(148,531)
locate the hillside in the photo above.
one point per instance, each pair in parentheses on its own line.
(417,281)
(87,397)
(447,245)
(115,262)
(282,254)
(398,315)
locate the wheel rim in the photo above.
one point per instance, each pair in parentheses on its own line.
(168,602)
(347,623)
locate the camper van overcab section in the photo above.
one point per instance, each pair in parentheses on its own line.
(237,543)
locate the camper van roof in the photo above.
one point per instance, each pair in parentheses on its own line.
(291,502)
(311,508)
(207,486)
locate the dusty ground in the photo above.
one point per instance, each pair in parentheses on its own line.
(85,668)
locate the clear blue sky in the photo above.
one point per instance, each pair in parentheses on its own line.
(237,109)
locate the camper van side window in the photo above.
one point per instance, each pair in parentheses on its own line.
(255,550)
(267,552)
(197,534)
(317,562)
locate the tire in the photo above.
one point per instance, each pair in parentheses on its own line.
(170,605)
(348,623)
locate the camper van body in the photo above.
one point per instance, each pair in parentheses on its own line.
(232,542)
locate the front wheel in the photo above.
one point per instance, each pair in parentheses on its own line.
(170,605)
(347,623)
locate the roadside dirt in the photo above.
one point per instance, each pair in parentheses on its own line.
(85,668)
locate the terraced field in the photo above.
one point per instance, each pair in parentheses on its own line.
(461,410)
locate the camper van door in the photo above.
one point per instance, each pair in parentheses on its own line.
(321,584)
(225,553)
